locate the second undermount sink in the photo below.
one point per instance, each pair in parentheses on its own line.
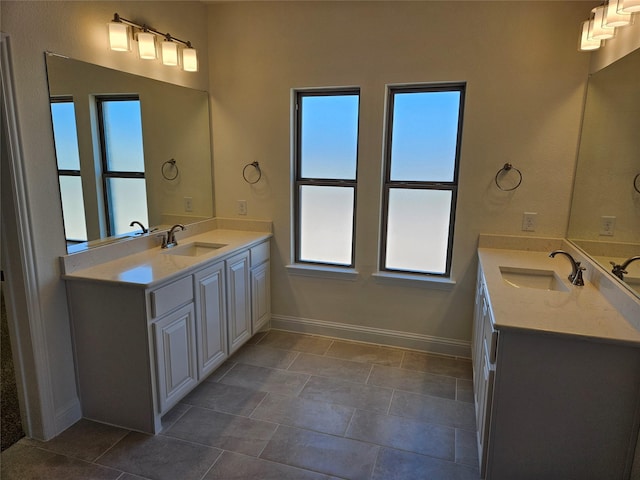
(532,278)
(194,249)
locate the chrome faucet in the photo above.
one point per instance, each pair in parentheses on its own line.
(135,222)
(170,240)
(620,270)
(575,277)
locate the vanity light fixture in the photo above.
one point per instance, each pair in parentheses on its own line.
(603,22)
(119,40)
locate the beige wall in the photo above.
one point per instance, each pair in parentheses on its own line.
(78,30)
(525,87)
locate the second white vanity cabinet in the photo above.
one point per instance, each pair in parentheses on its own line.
(551,402)
(140,350)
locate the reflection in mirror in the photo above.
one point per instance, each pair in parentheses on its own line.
(128,149)
(605,211)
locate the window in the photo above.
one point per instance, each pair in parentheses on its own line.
(65,137)
(326,157)
(424,129)
(124,185)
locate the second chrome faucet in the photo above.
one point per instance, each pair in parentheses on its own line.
(575,277)
(170,240)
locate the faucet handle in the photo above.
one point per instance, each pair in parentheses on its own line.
(577,278)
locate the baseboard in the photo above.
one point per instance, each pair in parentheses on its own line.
(68,415)
(381,336)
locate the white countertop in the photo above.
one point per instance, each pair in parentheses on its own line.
(156,265)
(582,311)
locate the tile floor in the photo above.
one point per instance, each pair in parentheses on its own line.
(286,406)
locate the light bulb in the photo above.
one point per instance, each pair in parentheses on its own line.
(189,60)
(614,17)
(169,53)
(118,37)
(147,45)
(596,28)
(586,43)
(629,6)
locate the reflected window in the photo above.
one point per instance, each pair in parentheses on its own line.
(65,138)
(423,135)
(326,136)
(120,123)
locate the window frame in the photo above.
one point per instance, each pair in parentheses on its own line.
(106,172)
(300,181)
(389,184)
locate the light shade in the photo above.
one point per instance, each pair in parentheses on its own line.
(597,30)
(629,6)
(169,53)
(189,60)
(586,43)
(118,37)
(614,17)
(147,45)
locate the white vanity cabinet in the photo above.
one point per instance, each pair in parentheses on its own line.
(140,350)
(552,406)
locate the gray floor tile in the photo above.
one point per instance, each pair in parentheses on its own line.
(331,367)
(257,337)
(296,341)
(225,398)
(220,372)
(221,430)
(265,379)
(25,462)
(362,352)
(263,356)
(159,457)
(437,364)
(85,440)
(337,456)
(234,466)
(413,381)
(129,476)
(464,390)
(398,465)
(433,410)
(404,434)
(466,447)
(299,412)
(356,395)
(174,414)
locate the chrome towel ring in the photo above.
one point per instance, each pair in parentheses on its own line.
(171,164)
(636,184)
(255,165)
(504,170)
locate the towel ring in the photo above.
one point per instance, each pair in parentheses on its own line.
(255,165)
(635,183)
(506,168)
(171,162)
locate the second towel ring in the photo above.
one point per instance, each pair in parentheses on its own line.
(171,162)
(255,165)
(506,168)
(635,183)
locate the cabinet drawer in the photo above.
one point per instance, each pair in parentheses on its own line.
(490,334)
(167,298)
(259,254)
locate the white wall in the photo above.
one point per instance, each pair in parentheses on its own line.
(78,30)
(525,88)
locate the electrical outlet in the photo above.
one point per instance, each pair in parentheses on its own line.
(529,221)
(607,226)
(242,207)
(188,204)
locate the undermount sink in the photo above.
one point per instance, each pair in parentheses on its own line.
(532,278)
(194,249)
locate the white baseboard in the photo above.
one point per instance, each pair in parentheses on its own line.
(381,336)
(67,416)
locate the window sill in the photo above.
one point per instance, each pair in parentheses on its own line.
(321,271)
(407,279)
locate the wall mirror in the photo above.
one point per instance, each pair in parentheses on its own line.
(605,210)
(128,148)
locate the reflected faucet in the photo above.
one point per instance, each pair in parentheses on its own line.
(170,240)
(135,222)
(620,270)
(575,277)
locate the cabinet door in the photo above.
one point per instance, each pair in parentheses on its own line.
(211,318)
(260,296)
(238,300)
(175,344)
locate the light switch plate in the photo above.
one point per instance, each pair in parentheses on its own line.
(529,221)
(607,226)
